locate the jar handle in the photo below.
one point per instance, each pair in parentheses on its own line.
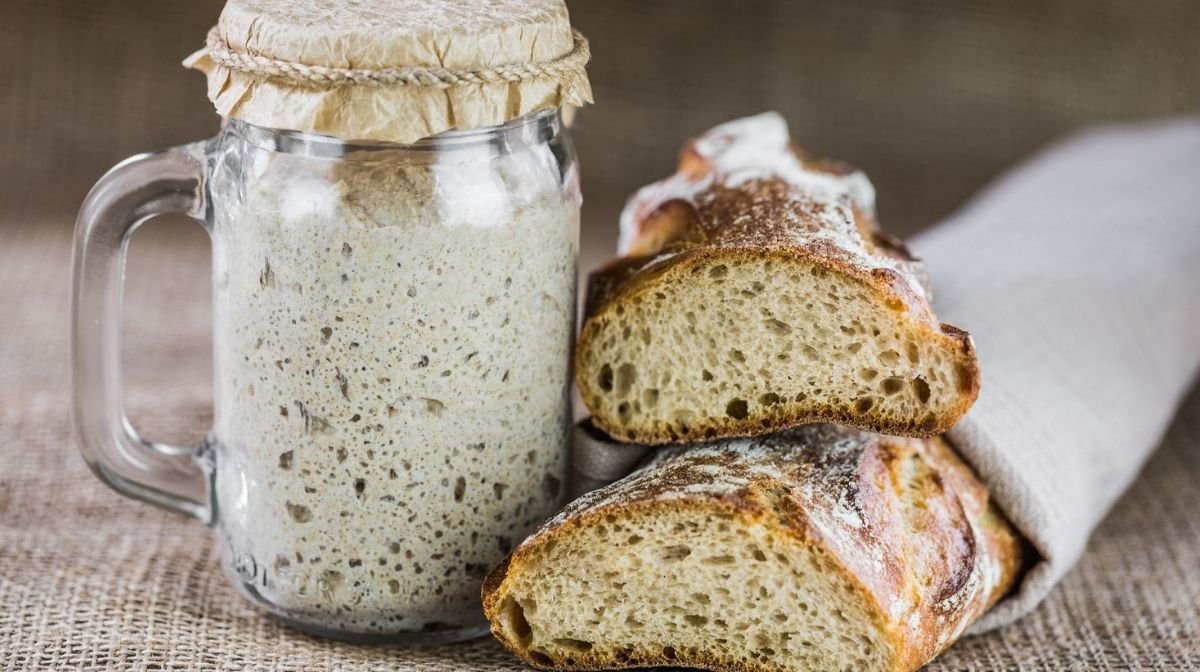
(173,477)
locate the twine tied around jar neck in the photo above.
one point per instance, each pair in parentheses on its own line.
(570,64)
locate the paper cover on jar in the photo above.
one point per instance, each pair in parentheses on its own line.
(392,70)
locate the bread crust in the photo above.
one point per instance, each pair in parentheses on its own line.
(642,279)
(903,521)
(708,214)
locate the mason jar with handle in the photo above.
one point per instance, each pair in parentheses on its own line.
(393,203)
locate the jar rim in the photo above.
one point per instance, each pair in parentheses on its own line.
(536,127)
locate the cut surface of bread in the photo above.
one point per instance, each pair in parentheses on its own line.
(757,293)
(822,548)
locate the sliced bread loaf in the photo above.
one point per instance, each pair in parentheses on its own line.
(822,548)
(755,293)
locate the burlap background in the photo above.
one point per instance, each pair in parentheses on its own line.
(933,98)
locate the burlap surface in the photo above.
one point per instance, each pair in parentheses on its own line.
(89,580)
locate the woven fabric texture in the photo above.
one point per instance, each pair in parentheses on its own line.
(90,580)
(932,98)
(1076,274)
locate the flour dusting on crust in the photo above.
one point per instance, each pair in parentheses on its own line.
(749,186)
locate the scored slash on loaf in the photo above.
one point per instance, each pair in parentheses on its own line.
(756,292)
(820,548)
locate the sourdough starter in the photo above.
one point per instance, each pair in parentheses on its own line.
(393,341)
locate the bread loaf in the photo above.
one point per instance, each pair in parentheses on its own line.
(821,548)
(755,293)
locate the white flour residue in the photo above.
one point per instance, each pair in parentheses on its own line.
(826,200)
(741,151)
(759,147)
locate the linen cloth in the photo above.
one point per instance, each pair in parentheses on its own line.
(90,580)
(1078,275)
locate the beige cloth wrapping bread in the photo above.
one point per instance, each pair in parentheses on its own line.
(1078,274)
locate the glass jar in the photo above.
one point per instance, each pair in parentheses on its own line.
(392,336)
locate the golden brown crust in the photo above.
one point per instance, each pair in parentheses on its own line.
(705,216)
(905,521)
